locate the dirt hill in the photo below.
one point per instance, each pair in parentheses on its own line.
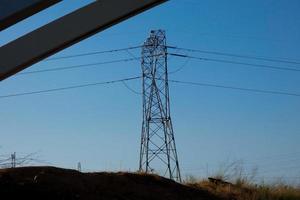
(45,183)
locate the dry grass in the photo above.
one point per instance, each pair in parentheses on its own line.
(239,185)
(249,191)
(241,188)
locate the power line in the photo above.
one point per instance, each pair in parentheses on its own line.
(13,161)
(132,55)
(77,66)
(138,77)
(236,88)
(92,53)
(236,62)
(177,48)
(181,67)
(80,66)
(235,55)
(130,89)
(69,87)
(137,58)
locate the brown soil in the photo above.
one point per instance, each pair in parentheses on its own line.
(45,183)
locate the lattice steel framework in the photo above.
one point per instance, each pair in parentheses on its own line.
(157,142)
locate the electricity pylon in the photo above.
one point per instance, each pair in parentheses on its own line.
(158,149)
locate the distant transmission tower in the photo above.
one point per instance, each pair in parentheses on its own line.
(13,160)
(79,166)
(157,142)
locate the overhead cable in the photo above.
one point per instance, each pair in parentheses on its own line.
(235,88)
(236,55)
(91,53)
(236,62)
(69,87)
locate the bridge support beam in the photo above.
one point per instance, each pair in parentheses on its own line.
(11,12)
(66,31)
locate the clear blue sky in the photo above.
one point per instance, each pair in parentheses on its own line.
(100,126)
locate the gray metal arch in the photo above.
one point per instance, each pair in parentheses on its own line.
(66,31)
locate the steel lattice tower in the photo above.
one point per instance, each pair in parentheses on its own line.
(157,142)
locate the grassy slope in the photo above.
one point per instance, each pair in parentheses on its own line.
(247,191)
(55,183)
